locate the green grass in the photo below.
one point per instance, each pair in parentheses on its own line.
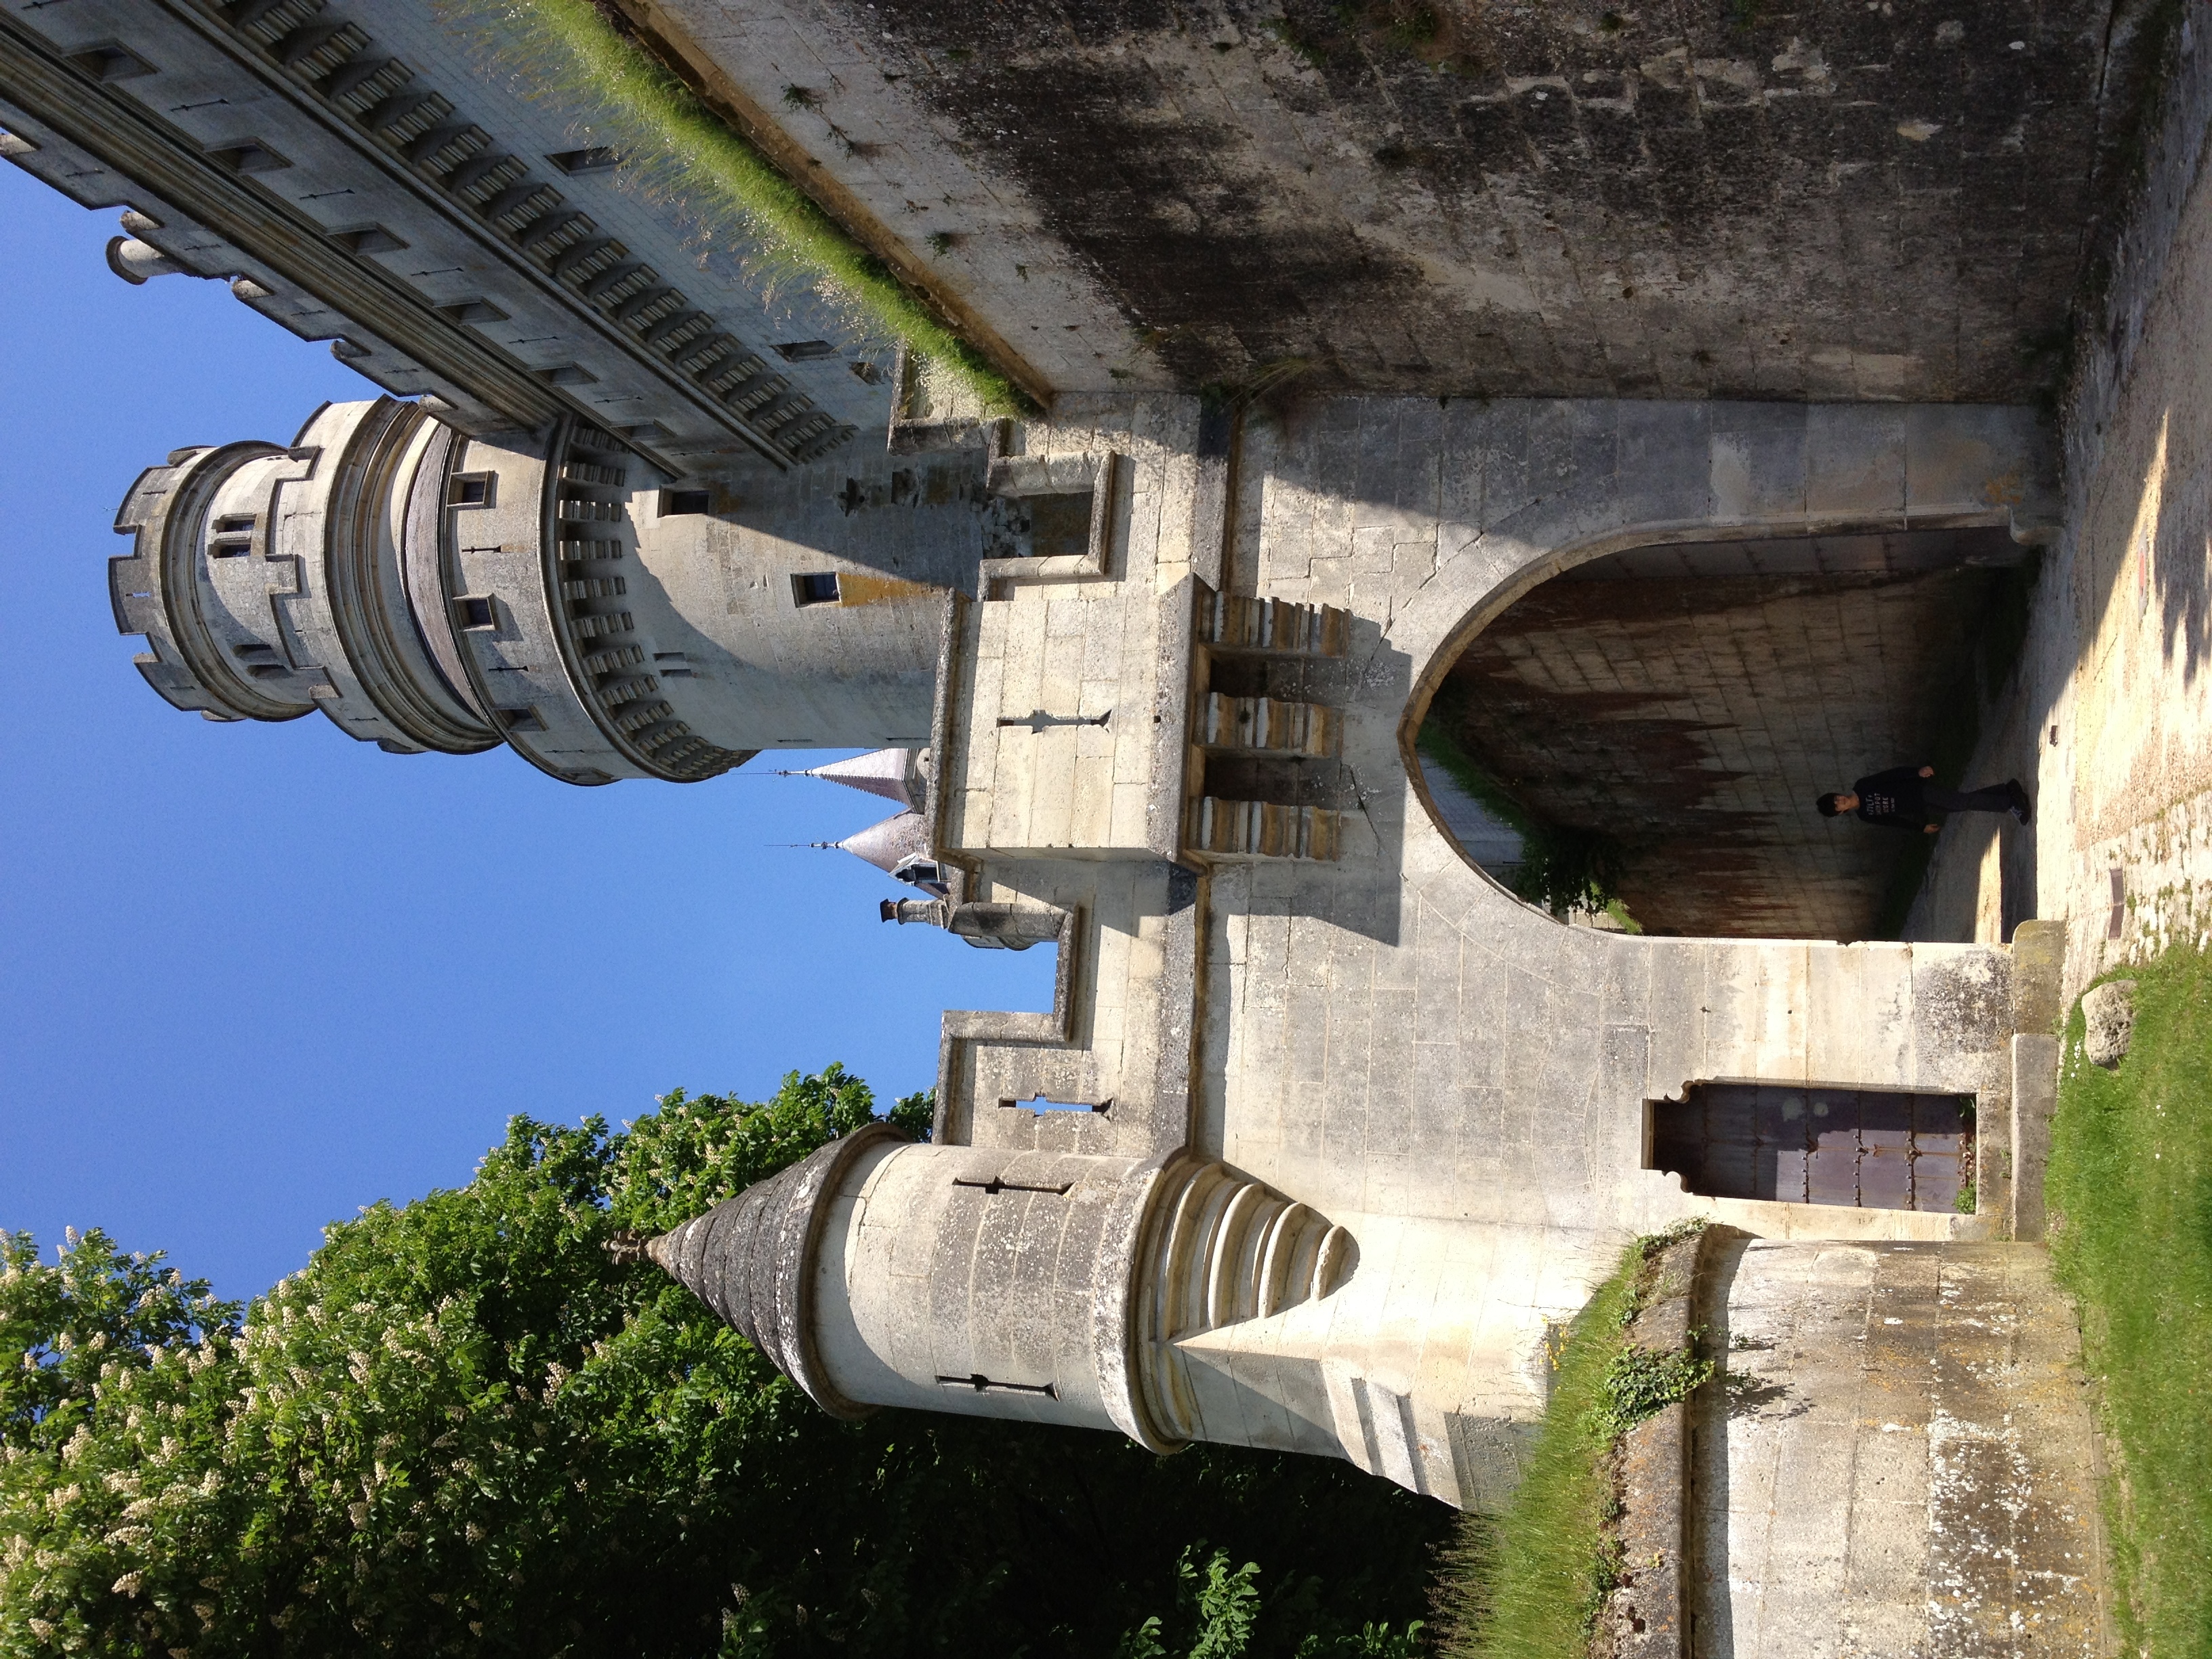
(683,152)
(1529,1584)
(2130,1186)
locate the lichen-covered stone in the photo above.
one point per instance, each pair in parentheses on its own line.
(2108,1013)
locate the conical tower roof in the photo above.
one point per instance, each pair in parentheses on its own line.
(885,844)
(751,1259)
(890,773)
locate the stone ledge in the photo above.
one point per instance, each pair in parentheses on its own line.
(1646,1617)
(2034,1094)
(2038,959)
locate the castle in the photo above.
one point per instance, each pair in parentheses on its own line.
(1328,1134)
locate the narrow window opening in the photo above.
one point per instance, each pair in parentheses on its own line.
(983,1384)
(369,239)
(1870,1149)
(801,351)
(475,611)
(925,874)
(470,489)
(111,62)
(815,587)
(230,549)
(1059,526)
(596,160)
(1040,1103)
(234,524)
(250,156)
(520,719)
(1281,779)
(682,503)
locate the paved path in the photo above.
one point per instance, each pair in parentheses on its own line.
(1900,1463)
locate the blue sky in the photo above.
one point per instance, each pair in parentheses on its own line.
(254,977)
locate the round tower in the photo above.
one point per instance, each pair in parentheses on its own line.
(995,1282)
(554,591)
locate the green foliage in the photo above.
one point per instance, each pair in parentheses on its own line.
(1562,868)
(1529,1585)
(1641,1381)
(1228,1604)
(1522,1588)
(2130,1187)
(96,1311)
(467,1426)
(677,147)
(1218,1617)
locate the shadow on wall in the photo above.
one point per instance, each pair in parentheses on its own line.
(1362,784)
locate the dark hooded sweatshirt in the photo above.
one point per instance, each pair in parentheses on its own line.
(1895,799)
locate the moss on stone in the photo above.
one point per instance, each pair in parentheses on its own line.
(691,156)
(1530,1584)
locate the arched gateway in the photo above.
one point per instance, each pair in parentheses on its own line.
(1326,1130)
(1360,1125)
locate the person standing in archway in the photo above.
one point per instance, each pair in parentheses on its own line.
(1902,798)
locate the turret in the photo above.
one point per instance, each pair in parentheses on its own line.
(1002,1283)
(556,590)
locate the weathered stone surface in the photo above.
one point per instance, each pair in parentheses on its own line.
(1646,1617)
(2109,720)
(1901,1462)
(2108,1013)
(1513,200)
(1347,1060)
(1688,703)
(751,1258)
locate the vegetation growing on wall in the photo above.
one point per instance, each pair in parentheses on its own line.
(2130,1190)
(1530,1584)
(467,1427)
(680,150)
(1562,868)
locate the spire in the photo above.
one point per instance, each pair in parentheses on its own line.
(894,773)
(886,845)
(751,1259)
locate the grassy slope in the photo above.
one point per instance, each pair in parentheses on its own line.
(2130,1188)
(1525,1586)
(690,155)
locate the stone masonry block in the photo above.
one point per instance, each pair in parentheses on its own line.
(1854,462)
(1972,459)
(1756,463)
(1859,1023)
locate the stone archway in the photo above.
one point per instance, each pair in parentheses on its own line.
(1652,724)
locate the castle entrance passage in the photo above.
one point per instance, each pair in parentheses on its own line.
(1871,1148)
(1660,721)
